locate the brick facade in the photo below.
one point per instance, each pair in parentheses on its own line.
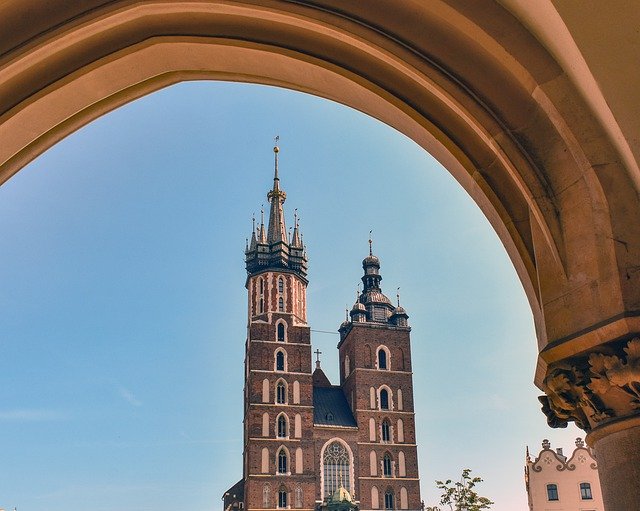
(307,441)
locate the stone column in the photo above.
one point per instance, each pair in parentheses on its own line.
(600,392)
(617,451)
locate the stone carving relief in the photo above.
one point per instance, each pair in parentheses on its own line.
(593,389)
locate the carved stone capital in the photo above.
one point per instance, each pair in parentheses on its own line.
(594,388)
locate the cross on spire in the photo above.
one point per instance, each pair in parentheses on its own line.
(318,353)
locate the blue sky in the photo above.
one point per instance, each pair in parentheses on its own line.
(124,310)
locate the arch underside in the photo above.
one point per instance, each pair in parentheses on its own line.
(470,84)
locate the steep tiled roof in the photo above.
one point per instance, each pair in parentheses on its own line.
(330,408)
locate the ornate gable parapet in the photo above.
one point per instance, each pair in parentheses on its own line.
(554,459)
(594,389)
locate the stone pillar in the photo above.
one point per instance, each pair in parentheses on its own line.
(617,451)
(600,392)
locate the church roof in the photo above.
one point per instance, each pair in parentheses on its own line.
(330,408)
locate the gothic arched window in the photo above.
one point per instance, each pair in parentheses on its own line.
(281,393)
(386,466)
(336,468)
(280,285)
(388,499)
(281,304)
(384,399)
(386,431)
(283,426)
(282,498)
(280,361)
(283,461)
(382,359)
(280,332)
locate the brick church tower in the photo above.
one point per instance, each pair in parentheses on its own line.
(308,444)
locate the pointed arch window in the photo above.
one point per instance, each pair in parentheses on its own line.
(280,331)
(336,468)
(283,426)
(282,498)
(279,361)
(386,466)
(280,285)
(283,461)
(388,499)
(384,399)
(382,359)
(386,431)
(281,393)
(281,304)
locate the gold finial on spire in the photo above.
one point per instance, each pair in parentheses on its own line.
(276,150)
(370,242)
(253,222)
(398,295)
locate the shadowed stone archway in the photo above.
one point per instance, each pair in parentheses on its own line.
(519,105)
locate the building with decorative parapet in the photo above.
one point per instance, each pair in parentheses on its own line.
(308,444)
(556,482)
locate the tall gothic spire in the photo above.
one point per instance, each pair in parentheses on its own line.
(277,230)
(273,247)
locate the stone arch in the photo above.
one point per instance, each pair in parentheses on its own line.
(550,156)
(512,169)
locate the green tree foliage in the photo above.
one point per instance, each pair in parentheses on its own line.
(461,496)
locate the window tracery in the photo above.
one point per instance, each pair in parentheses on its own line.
(336,468)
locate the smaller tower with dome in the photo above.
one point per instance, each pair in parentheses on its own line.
(376,378)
